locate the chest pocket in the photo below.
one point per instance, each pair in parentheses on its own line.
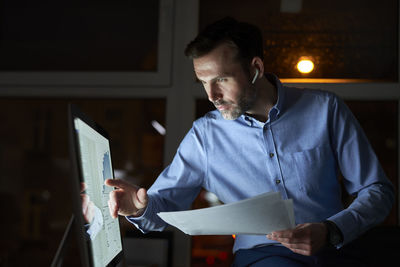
(315,169)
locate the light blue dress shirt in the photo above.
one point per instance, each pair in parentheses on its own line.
(309,136)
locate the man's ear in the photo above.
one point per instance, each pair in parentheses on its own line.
(258,66)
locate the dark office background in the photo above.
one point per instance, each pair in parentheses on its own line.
(354,41)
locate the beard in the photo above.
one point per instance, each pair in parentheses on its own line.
(233,110)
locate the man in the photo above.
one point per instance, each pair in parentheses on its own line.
(266,137)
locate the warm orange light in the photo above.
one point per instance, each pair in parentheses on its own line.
(305,65)
(234,236)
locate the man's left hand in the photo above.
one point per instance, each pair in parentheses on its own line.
(305,239)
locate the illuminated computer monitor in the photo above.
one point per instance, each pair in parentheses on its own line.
(98,233)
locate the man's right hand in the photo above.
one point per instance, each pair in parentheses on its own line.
(126,199)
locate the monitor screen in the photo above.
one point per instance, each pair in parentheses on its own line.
(101,232)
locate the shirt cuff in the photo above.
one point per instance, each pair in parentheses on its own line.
(345,222)
(142,220)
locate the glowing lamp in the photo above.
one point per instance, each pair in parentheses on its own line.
(305,65)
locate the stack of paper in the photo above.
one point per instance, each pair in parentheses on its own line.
(258,215)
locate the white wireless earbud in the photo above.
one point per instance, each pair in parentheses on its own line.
(255,77)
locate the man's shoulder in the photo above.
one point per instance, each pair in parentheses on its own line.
(310,94)
(214,121)
(209,116)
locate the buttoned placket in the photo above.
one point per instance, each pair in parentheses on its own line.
(273,160)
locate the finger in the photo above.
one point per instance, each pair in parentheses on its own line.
(83,187)
(281,235)
(113,204)
(85,210)
(142,198)
(85,207)
(284,233)
(90,211)
(299,248)
(85,201)
(119,183)
(110,208)
(298,232)
(288,240)
(116,208)
(289,236)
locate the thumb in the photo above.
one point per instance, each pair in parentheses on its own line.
(142,198)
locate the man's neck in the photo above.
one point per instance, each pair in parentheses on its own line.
(266,99)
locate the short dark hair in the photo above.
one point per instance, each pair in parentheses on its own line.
(245,37)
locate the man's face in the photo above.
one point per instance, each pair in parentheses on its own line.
(227,85)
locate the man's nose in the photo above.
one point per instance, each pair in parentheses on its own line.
(214,93)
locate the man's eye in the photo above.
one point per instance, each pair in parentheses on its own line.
(221,80)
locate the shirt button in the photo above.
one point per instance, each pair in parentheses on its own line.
(277,181)
(271,155)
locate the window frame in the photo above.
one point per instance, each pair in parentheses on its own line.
(76,83)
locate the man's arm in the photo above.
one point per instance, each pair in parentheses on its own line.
(175,188)
(363,175)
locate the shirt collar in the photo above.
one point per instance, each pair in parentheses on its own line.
(274,80)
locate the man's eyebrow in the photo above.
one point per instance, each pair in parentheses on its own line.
(226,75)
(213,79)
(222,75)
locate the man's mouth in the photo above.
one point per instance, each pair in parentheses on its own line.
(221,107)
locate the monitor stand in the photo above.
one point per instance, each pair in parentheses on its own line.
(59,256)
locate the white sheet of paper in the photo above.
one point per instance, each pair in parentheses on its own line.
(258,215)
